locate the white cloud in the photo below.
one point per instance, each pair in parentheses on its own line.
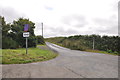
(83,16)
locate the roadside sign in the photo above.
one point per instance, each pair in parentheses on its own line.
(26,27)
(26,34)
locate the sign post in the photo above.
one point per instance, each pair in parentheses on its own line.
(26,45)
(26,35)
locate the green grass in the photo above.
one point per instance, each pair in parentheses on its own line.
(41,45)
(19,56)
(98,51)
(0,56)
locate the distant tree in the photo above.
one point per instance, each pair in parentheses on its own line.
(7,42)
(5,27)
(40,40)
(17,29)
(12,34)
(84,42)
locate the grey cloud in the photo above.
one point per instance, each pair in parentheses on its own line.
(62,31)
(48,8)
(109,26)
(80,21)
(72,31)
(10,14)
(119,18)
(57,31)
(114,5)
(105,22)
(111,30)
(104,26)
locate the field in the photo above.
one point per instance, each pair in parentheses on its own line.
(19,56)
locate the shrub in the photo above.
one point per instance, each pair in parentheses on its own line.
(9,43)
(40,40)
(109,51)
(115,52)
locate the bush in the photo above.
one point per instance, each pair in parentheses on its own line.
(83,42)
(8,43)
(32,41)
(109,51)
(115,52)
(40,40)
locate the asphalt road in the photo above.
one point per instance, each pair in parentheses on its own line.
(69,64)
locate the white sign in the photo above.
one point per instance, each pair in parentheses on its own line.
(26,34)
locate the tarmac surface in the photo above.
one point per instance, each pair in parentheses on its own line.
(68,64)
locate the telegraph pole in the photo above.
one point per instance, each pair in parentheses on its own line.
(93,43)
(42,28)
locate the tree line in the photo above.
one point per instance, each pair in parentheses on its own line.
(12,34)
(85,42)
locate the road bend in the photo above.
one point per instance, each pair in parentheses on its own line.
(68,64)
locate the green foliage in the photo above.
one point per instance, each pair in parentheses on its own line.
(40,40)
(5,27)
(32,41)
(115,52)
(12,34)
(85,42)
(109,51)
(8,43)
(17,32)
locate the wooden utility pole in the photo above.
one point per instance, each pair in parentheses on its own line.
(93,43)
(42,28)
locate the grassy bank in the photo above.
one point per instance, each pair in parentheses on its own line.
(98,51)
(0,56)
(103,44)
(19,56)
(90,50)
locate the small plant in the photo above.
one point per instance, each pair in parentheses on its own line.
(115,52)
(109,51)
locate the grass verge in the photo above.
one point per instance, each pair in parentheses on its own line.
(19,56)
(89,50)
(98,51)
(0,56)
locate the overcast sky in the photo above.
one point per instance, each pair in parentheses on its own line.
(65,17)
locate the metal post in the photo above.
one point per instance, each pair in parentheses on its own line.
(42,29)
(93,43)
(26,44)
